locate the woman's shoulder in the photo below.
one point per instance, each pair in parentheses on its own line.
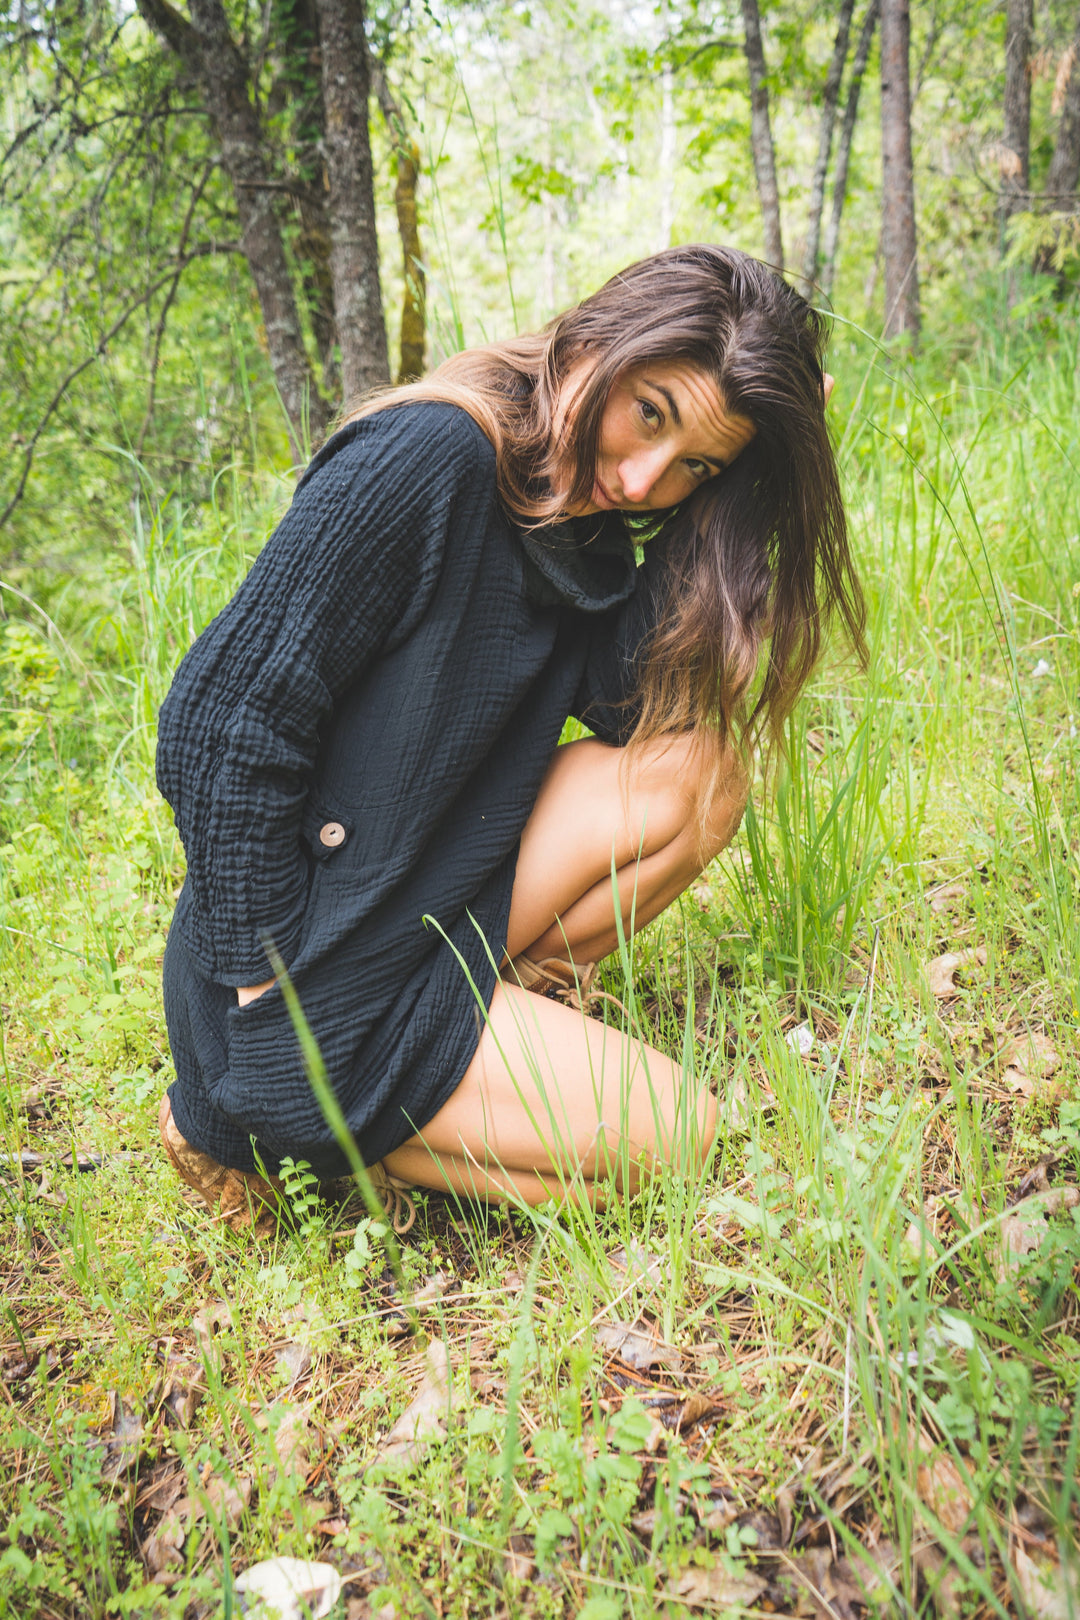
(432,439)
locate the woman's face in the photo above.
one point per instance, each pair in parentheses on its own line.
(663,433)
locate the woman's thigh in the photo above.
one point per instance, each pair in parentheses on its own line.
(552,1091)
(551,1094)
(601,814)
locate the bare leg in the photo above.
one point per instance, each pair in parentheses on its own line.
(554,1103)
(590,816)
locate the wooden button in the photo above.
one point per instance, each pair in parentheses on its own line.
(332,834)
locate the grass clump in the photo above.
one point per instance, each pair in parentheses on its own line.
(840,1373)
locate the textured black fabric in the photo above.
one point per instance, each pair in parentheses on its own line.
(399,662)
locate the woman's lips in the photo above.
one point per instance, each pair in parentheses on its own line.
(602,499)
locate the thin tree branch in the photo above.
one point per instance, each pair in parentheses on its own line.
(201,251)
(159,333)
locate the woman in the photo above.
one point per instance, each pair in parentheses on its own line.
(362,755)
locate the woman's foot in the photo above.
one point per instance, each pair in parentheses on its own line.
(554,976)
(241,1199)
(245,1201)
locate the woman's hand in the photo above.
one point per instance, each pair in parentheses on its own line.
(253,992)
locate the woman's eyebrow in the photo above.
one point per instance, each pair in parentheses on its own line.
(662,388)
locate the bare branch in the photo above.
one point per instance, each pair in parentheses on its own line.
(159,333)
(201,251)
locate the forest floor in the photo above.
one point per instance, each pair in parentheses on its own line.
(836,1371)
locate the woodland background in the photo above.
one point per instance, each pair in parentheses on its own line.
(838,1371)
(202,209)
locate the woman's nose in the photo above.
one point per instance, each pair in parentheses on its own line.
(640,473)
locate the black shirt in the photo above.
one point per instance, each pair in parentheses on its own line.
(352,749)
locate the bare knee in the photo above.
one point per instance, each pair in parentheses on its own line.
(702,785)
(686,1144)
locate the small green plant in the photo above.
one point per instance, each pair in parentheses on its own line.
(302,1197)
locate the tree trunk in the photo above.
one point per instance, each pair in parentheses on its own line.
(843,151)
(1015,182)
(414,303)
(354,247)
(830,100)
(1064,171)
(208,50)
(898,238)
(1065,163)
(761,140)
(296,95)
(313,254)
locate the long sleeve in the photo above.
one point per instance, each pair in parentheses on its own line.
(343,579)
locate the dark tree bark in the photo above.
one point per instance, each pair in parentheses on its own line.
(1065,163)
(830,100)
(1015,182)
(414,302)
(898,237)
(843,150)
(1064,171)
(296,92)
(313,254)
(761,140)
(354,248)
(208,50)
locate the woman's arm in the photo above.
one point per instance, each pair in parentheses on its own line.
(343,577)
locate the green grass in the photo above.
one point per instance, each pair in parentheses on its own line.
(866,1396)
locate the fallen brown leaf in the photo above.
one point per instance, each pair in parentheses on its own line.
(331,1527)
(1050,1591)
(124,1444)
(941,972)
(743,1102)
(840,1587)
(1037,1179)
(920,1240)
(714,1587)
(519,1562)
(942,897)
(163,1549)
(210,1320)
(719,1516)
(698,1405)
(638,1346)
(161,1487)
(943,1579)
(293,1360)
(424,1419)
(830,1584)
(182,1390)
(657,1437)
(942,1487)
(293,1439)
(767,1535)
(436,1286)
(637,1263)
(1024,1228)
(785,1513)
(226,1500)
(1028,1061)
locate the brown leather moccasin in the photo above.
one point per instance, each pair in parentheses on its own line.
(241,1199)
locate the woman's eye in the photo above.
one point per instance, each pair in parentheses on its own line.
(699,469)
(649,412)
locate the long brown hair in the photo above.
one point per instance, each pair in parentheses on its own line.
(760,552)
